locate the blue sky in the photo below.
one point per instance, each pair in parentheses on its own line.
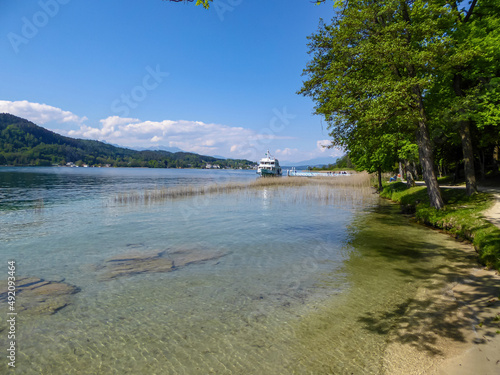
(142,74)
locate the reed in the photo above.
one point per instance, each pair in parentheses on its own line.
(149,196)
(38,205)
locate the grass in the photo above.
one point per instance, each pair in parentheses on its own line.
(148,196)
(461,216)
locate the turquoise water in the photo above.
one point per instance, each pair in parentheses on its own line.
(299,273)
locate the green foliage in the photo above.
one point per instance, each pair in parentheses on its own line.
(370,71)
(375,153)
(461,216)
(24,143)
(341,164)
(466,84)
(388,74)
(205,3)
(368,62)
(344,163)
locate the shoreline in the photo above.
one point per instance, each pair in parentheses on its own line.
(452,326)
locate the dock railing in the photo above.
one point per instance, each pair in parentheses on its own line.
(294,173)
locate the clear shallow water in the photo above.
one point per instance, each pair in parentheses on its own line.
(306,286)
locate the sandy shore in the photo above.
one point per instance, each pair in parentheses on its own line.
(450,328)
(453,324)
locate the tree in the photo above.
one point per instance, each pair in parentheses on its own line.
(375,154)
(371,66)
(462,96)
(424,47)
(408,155)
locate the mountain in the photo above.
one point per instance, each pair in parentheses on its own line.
(24,143)
(159,148)
(317,162)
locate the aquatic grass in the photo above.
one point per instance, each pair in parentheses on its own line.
(461,216)
(39,205)
(150,196)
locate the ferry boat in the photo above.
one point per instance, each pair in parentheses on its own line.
(269,166)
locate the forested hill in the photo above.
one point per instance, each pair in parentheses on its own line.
(23,143)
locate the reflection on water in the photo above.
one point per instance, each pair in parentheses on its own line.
(20,187)
(294,292)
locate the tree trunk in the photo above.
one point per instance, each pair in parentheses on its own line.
(470,173)
(410,180)
(482,163)
(427,162)
(425,152)
(379,172)
(456,174)
(464,130)
(495,158)
(426,155)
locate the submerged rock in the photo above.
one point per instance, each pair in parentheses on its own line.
(135,263)
(157,261)
(185,257)
(38,296)
(135,257)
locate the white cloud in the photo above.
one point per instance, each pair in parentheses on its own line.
(287,152)
(39,113)
(193,136)
(310,151)
(322,145)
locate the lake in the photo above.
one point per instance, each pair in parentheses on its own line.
(280,281)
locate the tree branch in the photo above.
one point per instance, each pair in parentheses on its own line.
(471,9)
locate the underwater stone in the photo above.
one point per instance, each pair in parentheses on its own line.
(156,261)
(38,296)
(185,257)
(135,263)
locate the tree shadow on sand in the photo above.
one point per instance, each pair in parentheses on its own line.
(452,303)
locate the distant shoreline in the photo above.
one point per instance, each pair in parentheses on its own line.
(112,167)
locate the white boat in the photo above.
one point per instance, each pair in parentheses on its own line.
(269,166)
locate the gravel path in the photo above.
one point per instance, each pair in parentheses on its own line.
(493,214)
